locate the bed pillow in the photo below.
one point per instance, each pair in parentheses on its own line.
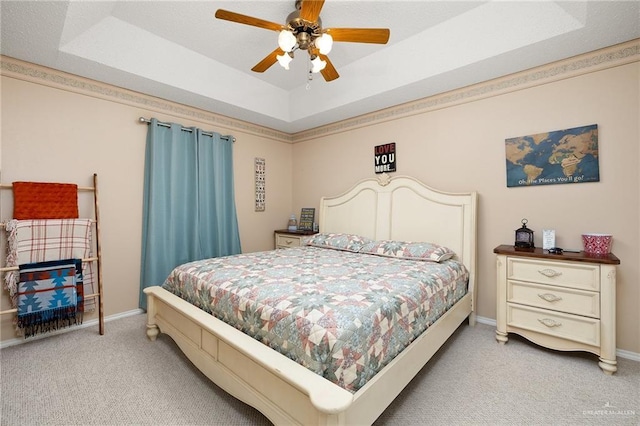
(430,252)
(346,242)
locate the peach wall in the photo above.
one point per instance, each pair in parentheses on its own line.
(60,134)
(455,145)
(461,148)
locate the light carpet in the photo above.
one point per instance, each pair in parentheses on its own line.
(122,378)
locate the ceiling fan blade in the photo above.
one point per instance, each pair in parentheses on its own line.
(360,35)
(310,9)
(269,60)
(329,72)
(247,20)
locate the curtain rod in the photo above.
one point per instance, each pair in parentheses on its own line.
(186,129)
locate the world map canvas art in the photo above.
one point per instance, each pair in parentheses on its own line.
(561,156)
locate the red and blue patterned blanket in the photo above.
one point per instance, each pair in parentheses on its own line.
(341,314)
(42,240)
(49,295)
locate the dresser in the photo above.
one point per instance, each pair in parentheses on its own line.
(285,238)
(563,301)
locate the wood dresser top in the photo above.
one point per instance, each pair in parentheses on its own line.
(509,250)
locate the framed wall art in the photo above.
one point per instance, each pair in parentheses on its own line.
(384,158)
(561,156)
(260,184)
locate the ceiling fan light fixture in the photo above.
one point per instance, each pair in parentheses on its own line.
(286,40)
(303,30)
(317,64)
(324,43)
(284,60)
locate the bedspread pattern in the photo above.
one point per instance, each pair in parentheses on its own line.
(343,315)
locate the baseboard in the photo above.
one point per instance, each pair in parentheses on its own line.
(634,356)
(487,321)
(86,324)
(621,353)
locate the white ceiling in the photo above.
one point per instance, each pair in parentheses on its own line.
(178,50)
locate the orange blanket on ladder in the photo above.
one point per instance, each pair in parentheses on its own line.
(43,200)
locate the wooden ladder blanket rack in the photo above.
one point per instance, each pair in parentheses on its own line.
(97,258)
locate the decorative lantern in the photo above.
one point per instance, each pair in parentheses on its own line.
(524,236)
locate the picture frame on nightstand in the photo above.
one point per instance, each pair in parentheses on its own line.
(307,217)
(548,239)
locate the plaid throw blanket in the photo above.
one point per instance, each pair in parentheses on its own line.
(32,241)
(48,296)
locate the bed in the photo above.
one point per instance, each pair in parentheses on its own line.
(399,209)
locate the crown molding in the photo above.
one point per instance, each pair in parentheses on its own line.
(38,74)
(598,60)
(609,57)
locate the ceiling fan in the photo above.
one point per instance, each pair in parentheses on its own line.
(303,30)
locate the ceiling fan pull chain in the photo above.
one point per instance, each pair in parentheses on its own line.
(309,78)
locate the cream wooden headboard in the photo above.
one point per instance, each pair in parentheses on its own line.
(404,209)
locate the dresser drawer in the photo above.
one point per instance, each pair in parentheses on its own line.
(565,326)
(562,299)
(284,241)
(583,276)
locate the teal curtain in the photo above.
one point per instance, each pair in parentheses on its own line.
(189,210)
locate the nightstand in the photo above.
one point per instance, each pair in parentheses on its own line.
(285,238)
(564,301)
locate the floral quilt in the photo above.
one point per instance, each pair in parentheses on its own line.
(342,314)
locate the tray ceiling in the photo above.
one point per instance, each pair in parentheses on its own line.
(178,51)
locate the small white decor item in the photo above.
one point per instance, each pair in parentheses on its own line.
(293,223)
(548,238)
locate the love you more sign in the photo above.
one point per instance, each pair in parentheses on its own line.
(384,158)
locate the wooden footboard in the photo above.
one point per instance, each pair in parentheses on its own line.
(284,391)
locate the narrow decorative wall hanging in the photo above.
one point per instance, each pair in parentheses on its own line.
(561,156)
(384,158)
(260,181)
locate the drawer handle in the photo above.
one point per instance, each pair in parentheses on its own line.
(550,273)
(288,242)
(550,323)
(549,297)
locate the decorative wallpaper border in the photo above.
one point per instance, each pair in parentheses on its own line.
(54,78)
(609,57)
(578,65)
